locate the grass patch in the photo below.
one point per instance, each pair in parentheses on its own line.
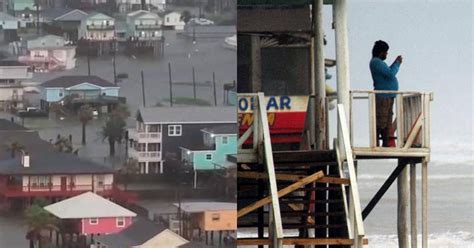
(186,101)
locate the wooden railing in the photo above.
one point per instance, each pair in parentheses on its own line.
(352,205)
(411,125)
(263,147)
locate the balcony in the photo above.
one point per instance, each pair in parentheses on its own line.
(100,27)
(143,137)
(52,190)
(152,156)
(148,27)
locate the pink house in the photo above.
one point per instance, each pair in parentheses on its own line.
(92,214)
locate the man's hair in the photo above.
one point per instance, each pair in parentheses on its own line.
(379,47)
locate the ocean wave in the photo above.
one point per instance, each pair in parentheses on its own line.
(362,177)
(436,240)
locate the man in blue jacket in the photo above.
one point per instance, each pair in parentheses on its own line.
(384,78)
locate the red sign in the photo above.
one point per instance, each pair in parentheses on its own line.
(286,116)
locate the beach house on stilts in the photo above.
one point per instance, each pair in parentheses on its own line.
(295,186)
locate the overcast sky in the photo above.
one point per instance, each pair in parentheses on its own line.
(436,41)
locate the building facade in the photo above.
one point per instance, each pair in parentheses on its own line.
(97,27)
(49,53)
(12,76)
(160,133)
(173,20)
(79,89)
(40,170)
(144,26)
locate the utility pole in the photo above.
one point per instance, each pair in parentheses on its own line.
(214,82)
(194,83)
(88,57)
(37,17)
(115,70)
(143,90)
(171,85)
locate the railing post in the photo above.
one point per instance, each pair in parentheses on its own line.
(400,126)
(372,121)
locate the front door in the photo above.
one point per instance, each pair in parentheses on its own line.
(63,183)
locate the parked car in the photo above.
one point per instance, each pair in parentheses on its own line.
(32,112)
(201,21)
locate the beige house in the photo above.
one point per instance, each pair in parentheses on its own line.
(142,233)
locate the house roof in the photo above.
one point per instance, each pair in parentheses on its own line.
(11,63)
(199,207)
(52,13)
(169,115)
(44,159)
(99,16)
(222,129)
(6,17)
(194,244)
(274,20)
(72,15)
(69,81)
(139,232)
(87,205)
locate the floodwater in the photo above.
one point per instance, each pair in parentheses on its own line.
(206,56)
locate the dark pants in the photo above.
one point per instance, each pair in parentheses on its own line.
(384,116)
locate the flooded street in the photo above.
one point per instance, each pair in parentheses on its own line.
(207,56)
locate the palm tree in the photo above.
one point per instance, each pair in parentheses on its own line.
(130,167)
(63,144)
(114,128)
(85,115)
(14,147)
(37,220)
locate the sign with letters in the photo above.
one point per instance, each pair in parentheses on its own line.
(286,116)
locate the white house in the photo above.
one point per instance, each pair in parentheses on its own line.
(49,53)
(97,26)
(12,76)
(8,22)
(144,25)
(173,20)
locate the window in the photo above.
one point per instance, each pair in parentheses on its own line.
(100,180)
(216,217)
(39,182)
(209,156)
(120,221)
(174,130)
(93,221)
(225,140)
(60,94)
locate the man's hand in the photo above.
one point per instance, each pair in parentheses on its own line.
(399,59)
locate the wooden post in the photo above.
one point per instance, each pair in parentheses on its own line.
(256,66)
(402,225)
(424,203)
(194,83)
(319,103)
(342,58)
(207,238)
(214,83)
(143,90)
(171,85)
(413,228)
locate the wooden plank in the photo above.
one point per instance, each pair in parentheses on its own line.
(343,189)
(414,132)
(354,193)
(402,206)
(413,228)
(263,126)
(280,193)
(300,241)
(372,121)
(291,177)
(244,137)
(400,126)
(424,205)
(249,156)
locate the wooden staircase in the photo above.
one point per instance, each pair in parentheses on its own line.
(298,198)
(318,205)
